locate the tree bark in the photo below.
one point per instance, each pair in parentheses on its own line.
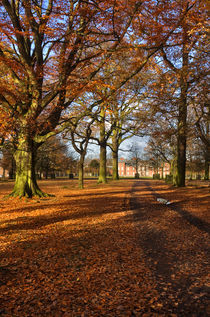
(182,115)
(102,142)
(102,168)
(81,172)
(182,137)
(206,164)
(162,170)
(25,182)
(207,147)
(115,175)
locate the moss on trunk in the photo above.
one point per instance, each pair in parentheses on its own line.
(81,173)
(25,181)
(102,168)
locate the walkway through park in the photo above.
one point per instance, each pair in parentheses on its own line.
(176,244)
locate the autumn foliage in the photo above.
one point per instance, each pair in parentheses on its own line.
(102,71)
(110,250)
(52,53)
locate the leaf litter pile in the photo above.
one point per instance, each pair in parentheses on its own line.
(108,250)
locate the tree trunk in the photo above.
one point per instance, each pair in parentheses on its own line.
(206,166)
(207,148)
(102,168)
(12,169)
(174,169)
(102,142)
(115,175)
(182,115)
(25,182)
(181,139)
(81,172)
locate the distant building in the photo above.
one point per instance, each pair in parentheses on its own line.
(145,169)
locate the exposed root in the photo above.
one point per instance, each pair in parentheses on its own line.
(21,194)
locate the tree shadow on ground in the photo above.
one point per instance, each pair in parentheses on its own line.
(177,271)
(64,212)
(192,219)
(67,270)
(49,203)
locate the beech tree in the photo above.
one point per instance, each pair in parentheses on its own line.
(201,124)
(199,98)
(162,145)
(53,155)
(135,157)
(80,131)
(203,129)
(195,157)
(102,135)
(53,51)
(125,125)
(180,57)
(116,120)
(94,165)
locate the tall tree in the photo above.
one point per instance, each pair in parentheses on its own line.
(179,57)
(136,157)
(199,99)
(124,124)
(52,156)
(80,133)
(101,136)
(53,51)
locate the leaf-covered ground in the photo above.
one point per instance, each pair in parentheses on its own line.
(109,250)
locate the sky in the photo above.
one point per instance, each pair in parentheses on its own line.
(93,150)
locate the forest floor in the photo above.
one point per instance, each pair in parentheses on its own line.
(108,250)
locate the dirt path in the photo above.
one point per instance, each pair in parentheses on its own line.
(175,243)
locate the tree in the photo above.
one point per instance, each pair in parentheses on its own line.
(125,115)
(160,147)
(179,58)
(195,157)
(80,134)
(116,121)
(52,156)
(51,52)
(199,102)
(94,165)
(135,157)
(202,127)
